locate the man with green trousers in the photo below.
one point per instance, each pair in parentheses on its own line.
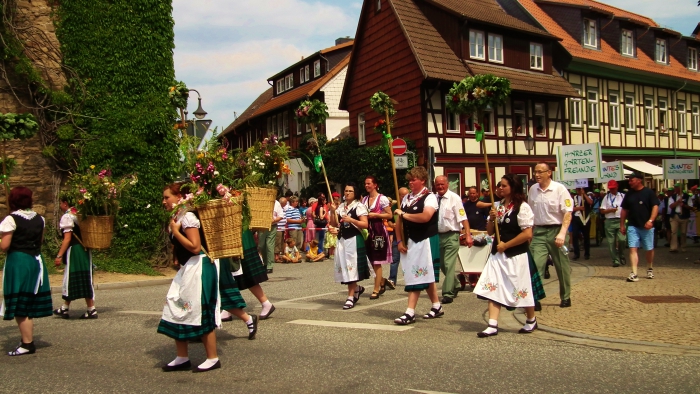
(452,222)
(610,207)
(552,205)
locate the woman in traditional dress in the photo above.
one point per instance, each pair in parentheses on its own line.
(350,258)
(25,284)
(506,279)
(232,303)
(310,232)
(420,249)
(191,308)
(320,210)
(77,276)
(253,274)
(378,243)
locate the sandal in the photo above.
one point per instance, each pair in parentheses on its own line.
(252,327)
(525,330)
(91,314)
(434,313)
(390,284)
(61,312)
(22,349)
(382,288)
(405,319)
(357,295)
(487,334)
(349,304)
(374,295)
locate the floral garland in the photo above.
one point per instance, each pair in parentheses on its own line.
(380,103)
(311,112)
(178,95)
(474,94)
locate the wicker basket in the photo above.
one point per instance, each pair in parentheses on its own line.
(261,201)
(222,225)
(97,231)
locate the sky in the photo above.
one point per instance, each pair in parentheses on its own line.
(227,49)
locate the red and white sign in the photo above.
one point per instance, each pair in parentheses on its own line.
(398,146)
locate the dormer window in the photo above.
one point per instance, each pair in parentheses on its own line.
(693,59)
(280,86)
(301,75)
(495,48)
(536,56)
(590,34)
(627,44)
(289,82)
(317,68)
(476,44)
(661,55)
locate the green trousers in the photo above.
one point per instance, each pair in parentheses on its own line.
(542,245)
(614,238)
(266,244)
(449,248)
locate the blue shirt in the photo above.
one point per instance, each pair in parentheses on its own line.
(294,214)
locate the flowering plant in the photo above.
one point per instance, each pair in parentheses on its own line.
(381,103)
(98,192)
(311,111)
(178,95)
(477,93)
(264,162)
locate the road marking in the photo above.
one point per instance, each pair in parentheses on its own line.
(154,313)
(366,326)
(307,297)
(429,392)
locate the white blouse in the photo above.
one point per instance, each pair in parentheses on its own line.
(8,224)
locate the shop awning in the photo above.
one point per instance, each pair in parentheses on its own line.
(644,167)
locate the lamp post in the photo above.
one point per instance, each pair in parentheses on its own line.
(199,120)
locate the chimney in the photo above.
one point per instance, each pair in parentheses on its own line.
(343,40)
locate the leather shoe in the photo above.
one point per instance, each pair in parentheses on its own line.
(180,367)
(215,366)
(546,272)
(272,309)
(446,300)
(565,303)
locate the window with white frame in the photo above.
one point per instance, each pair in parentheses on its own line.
(661,56)
(663,115)
(379,5)
(298,124)
(451,119)
(361,136)
(536,56)
(540,120)
(495,48)
(317,68)
(274,125)
(614,101)
(306,73)
(285,124)
(682,129)
(649,114)
(593,114)
(476,44)
(627,44)
(575,111)
(630,118)
(590,33)
(280,126)
(693,59)
(307,128)
(280,86)
(696,121)
(519,118)
(301,75)
(289,82)
(486,122)
(269,126)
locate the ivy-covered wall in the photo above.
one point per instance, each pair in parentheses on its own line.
(121,51)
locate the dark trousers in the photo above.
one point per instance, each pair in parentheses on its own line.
(579,228)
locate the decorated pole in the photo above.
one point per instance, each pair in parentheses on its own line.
(471,96)
(313,112)
(384,105)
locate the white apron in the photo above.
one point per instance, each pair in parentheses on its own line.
(346,260)
(417,264)
(183,304)
(506,281)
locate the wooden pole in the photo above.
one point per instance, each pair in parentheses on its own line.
(391,157)
(6,181)
(488,176)
(323,167)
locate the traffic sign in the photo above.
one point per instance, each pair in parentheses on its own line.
(401,162)
(399,146)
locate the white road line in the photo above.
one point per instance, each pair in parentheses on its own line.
(307,297)
(428,392)
(154,313)
(366,326)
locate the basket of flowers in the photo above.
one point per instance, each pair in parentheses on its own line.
(97,194)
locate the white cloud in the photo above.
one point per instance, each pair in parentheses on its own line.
(674,14)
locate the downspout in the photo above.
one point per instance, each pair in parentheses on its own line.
(606,25)
(643,34)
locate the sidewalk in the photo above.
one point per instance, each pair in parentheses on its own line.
(601,306)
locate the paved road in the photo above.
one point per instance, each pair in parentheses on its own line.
(121,351)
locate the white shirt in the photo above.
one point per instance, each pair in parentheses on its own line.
(8,224)
(451,212)
(678,209)
(551,204)
(277,212)
(360,209)
(612,201)
(67,223)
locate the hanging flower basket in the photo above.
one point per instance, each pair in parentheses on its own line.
(261,201)
(97,231)
(222,225)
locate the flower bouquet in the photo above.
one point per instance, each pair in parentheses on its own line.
(474,94)
(178,95)
(97,194)
(314,112)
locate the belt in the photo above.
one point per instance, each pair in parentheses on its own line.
(548,225)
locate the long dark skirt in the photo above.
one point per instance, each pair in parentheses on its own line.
(254,270)
(230,295)
(19,282)
(77,278)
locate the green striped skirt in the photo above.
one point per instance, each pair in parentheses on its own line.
(228,289)
(184,332)
(537,287)
(254,270)
(19,286)
(77,278)
(435,253)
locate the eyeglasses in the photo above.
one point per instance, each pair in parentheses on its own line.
(541,172)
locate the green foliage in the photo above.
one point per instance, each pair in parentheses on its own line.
(381,103)
(17,126)
(65,132)
(178,95)
(311,112)
(476,93)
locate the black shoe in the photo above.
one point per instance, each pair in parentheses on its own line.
(623,261)
(92,314)
(391,285)
(180,367)
(486,335)
(525,331)
(269,270)
(358,294)
(215,366)
(253,326)
(63,313)
(586,257)
(538,306)
(263,317)
(565,303)
(546,272)
(446,300)
(225,319)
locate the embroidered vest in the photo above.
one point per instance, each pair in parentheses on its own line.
(27,236)
(419,231)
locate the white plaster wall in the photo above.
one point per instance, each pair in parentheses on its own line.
(332,90)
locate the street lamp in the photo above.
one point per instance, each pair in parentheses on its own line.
(529,143)
(199,114)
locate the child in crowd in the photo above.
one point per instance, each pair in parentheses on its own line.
(313,256)
(291,253)
(331,240)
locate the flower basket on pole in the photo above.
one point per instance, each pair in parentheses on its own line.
(313,112)
(382,104)
(471,96)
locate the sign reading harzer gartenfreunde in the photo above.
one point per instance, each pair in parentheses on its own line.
(579,161)
(611,170)
(680,168)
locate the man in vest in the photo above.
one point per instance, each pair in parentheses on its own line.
(610,207)
(679,206)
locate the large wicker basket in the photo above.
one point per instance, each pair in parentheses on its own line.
(261,202)
(96,231)
(222,225)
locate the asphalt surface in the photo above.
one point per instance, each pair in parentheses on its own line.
(121,351)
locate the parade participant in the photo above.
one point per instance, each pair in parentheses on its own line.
(294,220)
(696,204)
(639,207)
(679,209)
(310,233)
(597,217)
(232,303)
(378,247)
(253,274)
(351,264)
(313,255)
(25,283)
(77,276)
(610,207)
(395,255)
(420,254)
(552,206)
(190,311)
(506,279)
(452,223)
(666,212)
(581,223)
(267,239)
(320,210)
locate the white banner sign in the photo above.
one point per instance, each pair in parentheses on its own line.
(680,168)
(579,161)
(612,170)
(582,183)
(567,184)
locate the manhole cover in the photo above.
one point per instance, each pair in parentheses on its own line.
(675,299)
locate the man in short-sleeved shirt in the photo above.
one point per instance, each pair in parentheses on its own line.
(639,207)
(294,220)
(552,205)
(475,215)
